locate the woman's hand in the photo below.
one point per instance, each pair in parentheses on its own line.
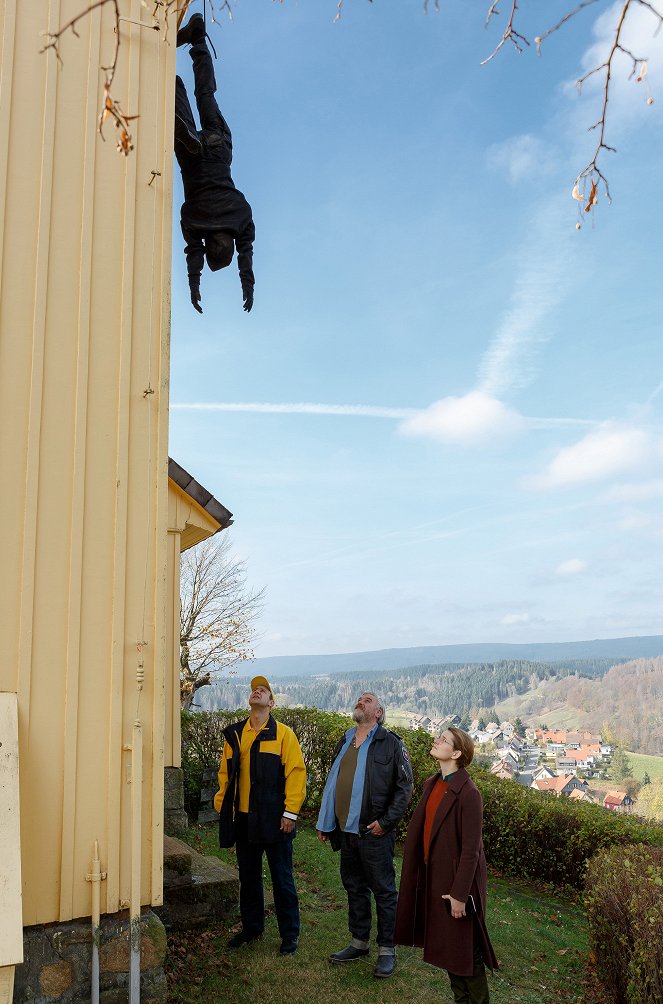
(457,907)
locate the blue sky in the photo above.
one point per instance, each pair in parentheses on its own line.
(442,421)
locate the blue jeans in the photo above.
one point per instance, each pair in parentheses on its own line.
(367,866)
(251,890)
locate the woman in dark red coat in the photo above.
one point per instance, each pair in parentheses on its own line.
(442,896)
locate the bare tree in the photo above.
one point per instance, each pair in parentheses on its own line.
(217,614)
(592,175)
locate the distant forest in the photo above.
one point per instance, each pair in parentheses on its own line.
(434,690)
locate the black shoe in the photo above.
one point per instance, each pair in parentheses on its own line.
(242,938)
(349,954)
(385,966)
(289,946)
(192,32)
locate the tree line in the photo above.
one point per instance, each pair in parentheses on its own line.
(433,690)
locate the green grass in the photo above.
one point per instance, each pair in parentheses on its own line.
(642,763)
(540,940)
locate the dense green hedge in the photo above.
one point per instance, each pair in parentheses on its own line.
(526,833)
(539,836)
(624,904)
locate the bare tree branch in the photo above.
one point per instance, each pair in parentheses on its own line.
(591,174)
(510,34)
(110,108)
(592,171)
(538,41)
(216,614)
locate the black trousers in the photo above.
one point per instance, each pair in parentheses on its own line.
(367,867)
(251,889)
(214,127)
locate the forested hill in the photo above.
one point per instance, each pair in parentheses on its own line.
(436,690)
(629,697)
(386,660)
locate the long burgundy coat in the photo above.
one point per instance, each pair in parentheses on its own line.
(456,866)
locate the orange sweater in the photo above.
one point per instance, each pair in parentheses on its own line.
(438,792)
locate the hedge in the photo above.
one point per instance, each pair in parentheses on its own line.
(539,836)
(526,833)
(624,905)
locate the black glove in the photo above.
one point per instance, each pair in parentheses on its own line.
(195,296)
(247,294)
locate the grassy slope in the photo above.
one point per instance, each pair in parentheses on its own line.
(541,705)
(541,942)
(640,762)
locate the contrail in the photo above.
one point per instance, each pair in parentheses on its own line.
(351,410)
(303,408)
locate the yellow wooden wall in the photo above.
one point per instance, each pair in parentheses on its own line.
(188,525)
(84,332)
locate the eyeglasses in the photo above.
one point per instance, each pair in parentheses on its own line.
(443,739)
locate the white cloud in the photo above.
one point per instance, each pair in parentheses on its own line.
(574,566)
(639,492)
(521,157)
(510,619)
(472,419)
(634,520)
(607,451)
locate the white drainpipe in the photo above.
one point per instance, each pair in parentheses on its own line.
(95,876)
(136,750)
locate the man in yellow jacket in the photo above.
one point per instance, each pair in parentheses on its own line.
(262,784)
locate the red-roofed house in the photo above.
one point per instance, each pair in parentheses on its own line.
(618,801)
(559,786)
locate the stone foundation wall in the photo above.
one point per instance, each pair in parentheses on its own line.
(175,818)
(58,962)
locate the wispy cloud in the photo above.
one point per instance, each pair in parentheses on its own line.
(571,567)
(510,620)
(521,157)
(509,362)
(639,492)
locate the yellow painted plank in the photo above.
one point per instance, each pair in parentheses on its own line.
(11,910)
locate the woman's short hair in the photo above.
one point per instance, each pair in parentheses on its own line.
(464,743)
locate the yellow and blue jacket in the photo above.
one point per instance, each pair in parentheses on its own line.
(273,785)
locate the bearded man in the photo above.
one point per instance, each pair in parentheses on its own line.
(367,792)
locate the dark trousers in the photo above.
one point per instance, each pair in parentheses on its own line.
(367,866)
(213,125)
(471,989)
(251,890)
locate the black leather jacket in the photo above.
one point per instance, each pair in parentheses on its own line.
(388,782)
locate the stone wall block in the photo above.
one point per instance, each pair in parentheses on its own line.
(58,962)
(55,979)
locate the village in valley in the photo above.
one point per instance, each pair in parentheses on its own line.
(559,762)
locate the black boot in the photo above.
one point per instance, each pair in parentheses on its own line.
(192,32)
